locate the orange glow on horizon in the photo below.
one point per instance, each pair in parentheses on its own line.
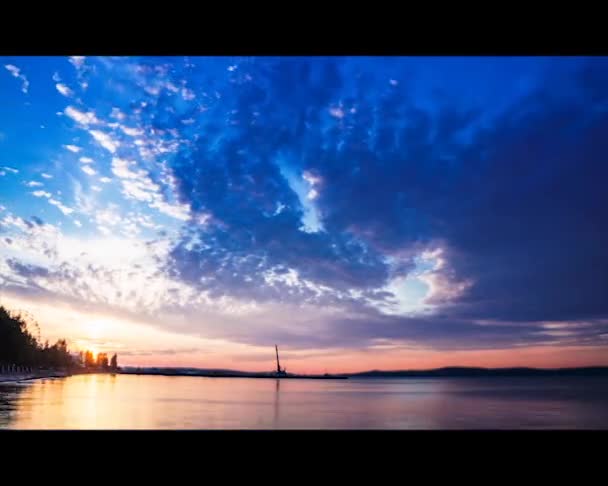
(140,344)
(345,361)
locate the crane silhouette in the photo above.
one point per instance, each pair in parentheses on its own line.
(280,371)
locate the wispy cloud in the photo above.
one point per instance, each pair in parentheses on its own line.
(88,170)
(72,148)
(132,132)
(105,140)
(83,118)
(77,61)
(64,209)
(16,73)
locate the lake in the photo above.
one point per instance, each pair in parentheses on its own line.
(167,402)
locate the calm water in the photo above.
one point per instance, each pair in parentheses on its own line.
(158,402)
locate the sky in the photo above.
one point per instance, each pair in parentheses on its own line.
(361,213)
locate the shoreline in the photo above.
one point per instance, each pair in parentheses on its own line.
(18,377)
(236,375)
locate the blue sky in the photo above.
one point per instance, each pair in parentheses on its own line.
(337,206)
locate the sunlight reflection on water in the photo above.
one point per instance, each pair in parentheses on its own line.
(159,402)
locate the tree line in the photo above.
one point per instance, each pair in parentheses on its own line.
(19,347)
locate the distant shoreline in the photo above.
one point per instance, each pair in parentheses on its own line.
(450,372)
(229,374)
(455,372)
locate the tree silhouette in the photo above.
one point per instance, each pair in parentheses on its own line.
(114,362)
(102,361)
(89,362)
(18,346)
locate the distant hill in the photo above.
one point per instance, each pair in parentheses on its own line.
(464,371)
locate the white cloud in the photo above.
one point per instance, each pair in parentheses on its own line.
(137,185)
(83,118)
(86,160)
(77,61)
(88,170)
(177,211)
(77,223)
(96,188)
(105,140)
(46,176)
(171,87)
(116,113)
(64,209)
(56,77)
(188,94)
(188,121)
(16,72)
(34,184)
(120,167)
(336,112)
(10,169)
(64,90)
(105,180)
(72,148)
(153,90)
(41,194)
(132,132)
(312,181)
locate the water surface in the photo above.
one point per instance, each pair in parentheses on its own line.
(168,402)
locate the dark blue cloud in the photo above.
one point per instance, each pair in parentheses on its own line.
(513,192)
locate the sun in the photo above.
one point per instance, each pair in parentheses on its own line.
(96,329)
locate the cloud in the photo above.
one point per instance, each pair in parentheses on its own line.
(88,170)
(46,176)
(86,160)
(138,185)
(64,209)
(188,94)
(105,140)
(77,61)
(42,194)
(10,169)
(478,202)
(34,184)
(83,118)
(64,90)
(132,132)
(72,148)
(16,73)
